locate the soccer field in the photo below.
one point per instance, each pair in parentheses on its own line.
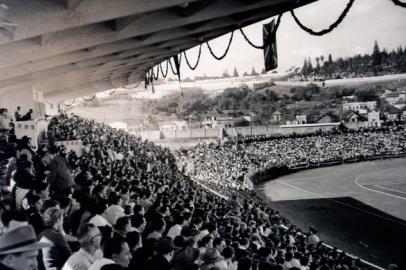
(359,207)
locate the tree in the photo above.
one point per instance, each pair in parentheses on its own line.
(225,74)
(309,65)
(253,72)
(304,68)
(263,71)
(376,55)
(317,63)
(245,74)
(330,58)
(235,72)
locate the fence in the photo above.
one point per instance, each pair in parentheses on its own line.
(277,171)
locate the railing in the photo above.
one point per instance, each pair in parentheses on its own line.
(274,172)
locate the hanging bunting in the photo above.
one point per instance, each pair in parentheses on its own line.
(270,52)
(177,65)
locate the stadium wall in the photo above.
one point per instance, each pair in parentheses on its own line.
(271,173)
(156,135)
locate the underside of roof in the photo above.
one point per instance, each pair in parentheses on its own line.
(71,48)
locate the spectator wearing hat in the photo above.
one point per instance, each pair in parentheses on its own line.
(164,254)
(212,258)
(19,249)
(185,259)
(89,237)
(55,256)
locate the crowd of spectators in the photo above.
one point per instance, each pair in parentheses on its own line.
(124,204)
(228,168)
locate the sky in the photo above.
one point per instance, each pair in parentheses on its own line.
(367,21)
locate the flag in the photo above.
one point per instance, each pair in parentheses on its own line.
(177,65)
(270,52)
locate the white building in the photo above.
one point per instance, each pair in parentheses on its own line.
(277,116)
(119,125)
(173,125)
(374,119)
(394,97)
(357,106)
(300,119)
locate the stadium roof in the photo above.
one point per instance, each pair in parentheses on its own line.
(70,48)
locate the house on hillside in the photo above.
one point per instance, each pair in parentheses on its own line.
(216,120)
(173,125)
(225,121)
(357,106)
(353,119)
(299,119)
(374,119)
(327,118)
(277,116)
(400,104)
(394,97)
(392,113)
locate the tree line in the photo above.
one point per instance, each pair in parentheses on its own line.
(379,62)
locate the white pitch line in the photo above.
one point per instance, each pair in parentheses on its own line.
(391,189)
(348,205)
(377,191)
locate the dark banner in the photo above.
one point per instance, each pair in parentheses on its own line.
(270,52)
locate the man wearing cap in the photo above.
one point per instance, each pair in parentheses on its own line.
(165,252)
(19,249)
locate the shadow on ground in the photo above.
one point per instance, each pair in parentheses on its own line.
(351,225)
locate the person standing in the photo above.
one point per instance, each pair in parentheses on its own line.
(60,178)
(17,114)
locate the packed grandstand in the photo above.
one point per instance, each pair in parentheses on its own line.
(127,203)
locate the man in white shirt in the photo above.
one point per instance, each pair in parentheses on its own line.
(89,237)
(176,229)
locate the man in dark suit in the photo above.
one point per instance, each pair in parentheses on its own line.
(165,252)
